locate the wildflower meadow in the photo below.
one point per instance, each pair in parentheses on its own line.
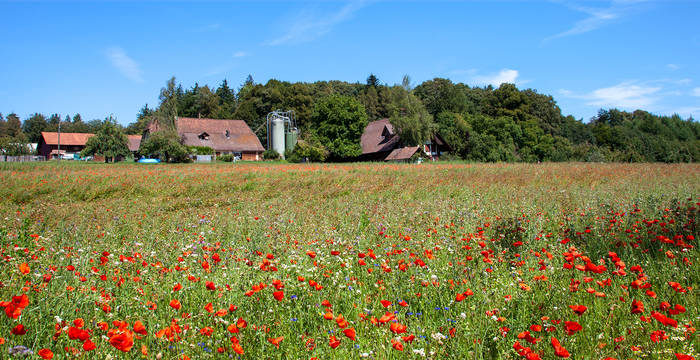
(338,261)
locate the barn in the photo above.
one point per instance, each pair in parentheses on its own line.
(380,142)
(224,136)
(73,143)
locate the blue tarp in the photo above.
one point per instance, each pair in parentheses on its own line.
(149,161)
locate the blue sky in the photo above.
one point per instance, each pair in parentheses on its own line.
(102,58)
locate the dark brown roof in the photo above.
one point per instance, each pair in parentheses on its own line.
(379,136)
(134,142)
(404,153)
(51,138)
(240,136)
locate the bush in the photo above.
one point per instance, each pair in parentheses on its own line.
(309,151)
(225,157)
(200,150)
(270,154)
(166,146)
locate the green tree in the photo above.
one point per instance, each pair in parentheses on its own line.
(165,145)
(13,128)
(372,81)
(410,119)
(33,126)
(206,103)
(143,119)
(109,141)
(167,111)
(341,121)
(227,101)
(3,125)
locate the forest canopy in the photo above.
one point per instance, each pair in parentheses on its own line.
(480,123)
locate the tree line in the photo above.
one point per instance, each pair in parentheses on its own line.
(480,123)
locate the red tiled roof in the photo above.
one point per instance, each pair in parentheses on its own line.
(240,136)
(134,142)
(404,153)
(51,138)
(379,136)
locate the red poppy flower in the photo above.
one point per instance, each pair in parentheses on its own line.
(559,350)
(396,345)
(278,295)
(276,341)
(139,328)
(350,333)
(210,285)
(24,268)
(333,342)
(664,319)
(122,341)
(19,330)
(578,309)
(637,307)
(397,328)
(572,327)
(45,354)
(175,304)
(89,345)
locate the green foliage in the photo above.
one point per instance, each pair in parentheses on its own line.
(225,158)
(309,149)
(270,154)
(33,127)
(143,119)
(341,121)
(109,141)
(14,146)
(165,145)
(409,118)
(200,150)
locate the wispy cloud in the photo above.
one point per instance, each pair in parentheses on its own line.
(126,65)
(597,17)
(673,67)
(240,54)
(696,91)
(309,28)
(688,111)
(630,95)
(503,76)
(472,76)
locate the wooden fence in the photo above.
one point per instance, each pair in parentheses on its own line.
(21,158)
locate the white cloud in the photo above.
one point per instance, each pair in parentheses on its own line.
(696,91)
(503,76)
(630,95)
(240,54)
(688,111)
(126,65)
(310,28)
(597,17)
(673,67)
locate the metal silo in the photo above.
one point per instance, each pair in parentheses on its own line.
(278,136)
(290,139)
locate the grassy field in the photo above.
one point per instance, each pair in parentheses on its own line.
(380,261)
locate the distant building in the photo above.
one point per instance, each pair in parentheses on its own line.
(381,143)
(134,143)
(224,136)
(72,144)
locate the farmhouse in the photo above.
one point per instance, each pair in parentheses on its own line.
(380,142)
(72,144)
(224,136)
